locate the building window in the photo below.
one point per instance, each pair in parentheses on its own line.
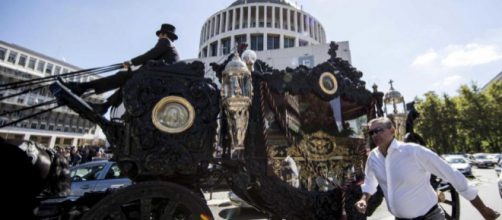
(22,60)
(298,22)
(273,42)
(213,49)
(48,68)
(257,42)
(253,16)
(239,39)
(40,66)
(269,16)
(224,23)
(277,18)
(12,57)
(303,43)
(57,70)
(204,52)
(292,20)
(42,126)
(3,51)
(33,126)
(289,42)
(31,63)
(31,100)
(245,17)
(237,18)
(285,19)
(230,20)
(225,46)
(261,16)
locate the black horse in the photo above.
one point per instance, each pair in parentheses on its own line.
(30,172)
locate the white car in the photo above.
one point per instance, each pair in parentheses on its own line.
(494,157)
(460,163)
(96,176)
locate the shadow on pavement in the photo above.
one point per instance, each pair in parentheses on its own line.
(241,214)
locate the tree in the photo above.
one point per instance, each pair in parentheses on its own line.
(429,125)
(467,123)
(474,118)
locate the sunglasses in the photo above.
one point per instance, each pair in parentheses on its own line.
(375,131)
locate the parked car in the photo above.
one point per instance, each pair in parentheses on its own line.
(482,160)
(96,176)
(500,185)
(460,163)
(493,157)
(498,168)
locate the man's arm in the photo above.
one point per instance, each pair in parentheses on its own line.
(161,47)
(432,162)
(368,187)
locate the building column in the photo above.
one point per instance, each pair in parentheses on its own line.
(273,17)
(248,40)
(74,142)
(249,17)
(52,142)
(281,41)
(26,137)
(288,19)
(302,22)
(232,43)
(227,21)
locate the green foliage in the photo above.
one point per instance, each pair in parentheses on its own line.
(470,122)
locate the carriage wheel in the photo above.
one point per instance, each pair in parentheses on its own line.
(449,201)
(153,200)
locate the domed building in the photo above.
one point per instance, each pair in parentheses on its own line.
(265,24)
(282,34)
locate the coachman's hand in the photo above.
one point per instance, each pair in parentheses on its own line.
(361,206)
(126,65)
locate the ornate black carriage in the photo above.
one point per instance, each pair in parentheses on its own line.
(289,142)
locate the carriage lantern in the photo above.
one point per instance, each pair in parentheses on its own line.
(236,96)
(398,115)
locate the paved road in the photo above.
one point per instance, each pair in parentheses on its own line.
(485,180)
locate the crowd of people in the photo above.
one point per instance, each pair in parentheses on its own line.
(80,154)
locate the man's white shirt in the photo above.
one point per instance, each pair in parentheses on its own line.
(404,176)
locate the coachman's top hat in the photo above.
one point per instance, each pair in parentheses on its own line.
(169,30)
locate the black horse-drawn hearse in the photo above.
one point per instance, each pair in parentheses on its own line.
(271,135)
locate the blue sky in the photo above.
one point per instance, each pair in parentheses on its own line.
(422,45)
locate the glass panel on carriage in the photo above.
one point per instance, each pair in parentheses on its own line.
(327,154)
